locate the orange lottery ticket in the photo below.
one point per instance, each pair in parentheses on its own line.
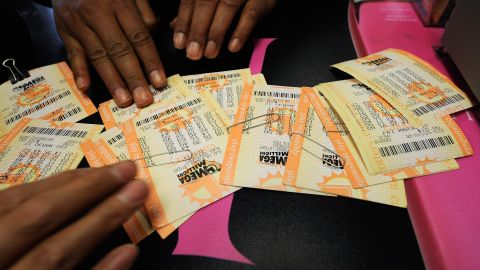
(49,93)
(178,152)
(36,148)
(107,148)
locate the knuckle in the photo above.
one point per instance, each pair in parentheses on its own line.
(118,49)
(206,2)
(51,256)
(134,78)
(139,38)
(97,55)
(252,12)
(74,52)
(230,3)
(37,215)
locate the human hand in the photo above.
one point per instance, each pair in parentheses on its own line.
(201,25)
(114,36)
(54,223)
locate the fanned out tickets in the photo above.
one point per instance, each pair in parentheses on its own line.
(179,152)
(413,87)
(385,139)
(257,148)
(108,148)
(175,91)
(36,148)
(49,93)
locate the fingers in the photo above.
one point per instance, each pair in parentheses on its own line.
(182,24)
(68,247)
(203,13)
(142,42)
(14,196)
(120,51)
(76,56)
(224,15)
(252,12)
(121,258)
(99,58)
(48,211)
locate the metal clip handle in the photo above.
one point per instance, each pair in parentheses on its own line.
(319,144)
(190,156)
(17,74)
(276,119)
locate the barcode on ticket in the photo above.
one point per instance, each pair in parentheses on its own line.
(275,94)
(437,104)
(115,139)
(68,114)
(169,111)
(37,107)
(56,132)
(213,78)
(409,147)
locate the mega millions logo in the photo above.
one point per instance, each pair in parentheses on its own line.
(34,91)
(274,158)
(332,161)
(374,60)
(199,170)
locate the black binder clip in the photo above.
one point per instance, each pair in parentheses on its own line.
(17,74)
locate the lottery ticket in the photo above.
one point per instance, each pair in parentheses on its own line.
(413,87)
(338,167)
(258,143)
(108,148)
(36,148)
(49,93)
(113,115)
(385,139)
(225,86)
(179,152)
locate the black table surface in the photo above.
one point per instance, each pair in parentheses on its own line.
(329,233)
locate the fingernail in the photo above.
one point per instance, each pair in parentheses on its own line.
(210,49)
(235,45)
(81,83)
(123,171)
(157,79)
(193,50)
(142,96)
(121,96)
(179,40)
(134,193)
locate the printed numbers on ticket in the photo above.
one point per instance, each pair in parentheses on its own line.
(414,87)
(384,137)
(36,148)
(107,148)
(179,153)
(175,91)
(258,143)
(225,86)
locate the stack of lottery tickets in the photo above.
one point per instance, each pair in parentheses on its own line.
(208,135)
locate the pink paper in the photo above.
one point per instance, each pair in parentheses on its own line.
(443,207)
